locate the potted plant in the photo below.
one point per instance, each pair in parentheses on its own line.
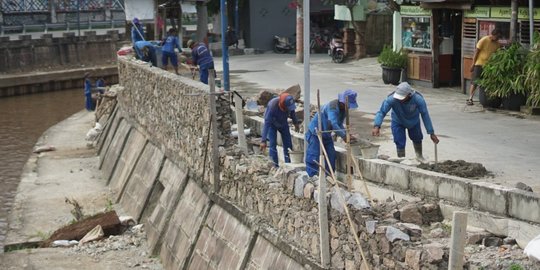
(501,78)
(531,73)
(392,63)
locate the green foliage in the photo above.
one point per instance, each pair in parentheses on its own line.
(531,75)
(502,73)
(109,205)
(516,266)
(392,59)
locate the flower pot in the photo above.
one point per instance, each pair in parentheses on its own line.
(514,102)
(488,102)
(391,75)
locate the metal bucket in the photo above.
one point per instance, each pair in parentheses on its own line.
(296,156)
(369,152)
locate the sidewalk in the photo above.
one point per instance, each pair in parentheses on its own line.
(507,144)
(71,171)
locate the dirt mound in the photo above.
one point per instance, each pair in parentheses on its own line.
(459,168)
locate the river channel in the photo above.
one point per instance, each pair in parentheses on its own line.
(23,119)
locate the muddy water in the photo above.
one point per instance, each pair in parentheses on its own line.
(22,121)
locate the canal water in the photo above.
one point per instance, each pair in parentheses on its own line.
(23,119)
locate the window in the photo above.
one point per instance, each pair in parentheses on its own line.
(416,33)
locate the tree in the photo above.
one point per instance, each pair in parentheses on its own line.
(202,21)
(297,4)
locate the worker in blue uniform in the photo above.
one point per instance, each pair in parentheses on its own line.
(407,106)
(146,51)
(276,116)
(200,55)
(168,52)
(332,116)
(137,32)
(89,105)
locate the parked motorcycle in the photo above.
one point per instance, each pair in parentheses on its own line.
(336,50)
(282,44)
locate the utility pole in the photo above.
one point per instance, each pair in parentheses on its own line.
(531,23)
(224,45)
(52,9)
(79,17)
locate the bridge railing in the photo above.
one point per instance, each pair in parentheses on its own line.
(46,27)
(29,6)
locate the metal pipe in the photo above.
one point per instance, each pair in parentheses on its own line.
(224,45)
(307,102)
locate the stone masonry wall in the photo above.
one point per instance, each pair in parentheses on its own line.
(174,112)
(49,52)
(262,217)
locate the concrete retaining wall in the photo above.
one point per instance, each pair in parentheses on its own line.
(261,217)
(48,52)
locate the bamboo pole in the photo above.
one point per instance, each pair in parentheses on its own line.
(323,208)
(357,167)
(351,224)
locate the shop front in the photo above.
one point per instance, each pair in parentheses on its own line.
(432,39)
(480,21)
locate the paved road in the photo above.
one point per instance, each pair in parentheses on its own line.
(508,144)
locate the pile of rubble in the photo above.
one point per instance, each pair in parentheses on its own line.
(394,235)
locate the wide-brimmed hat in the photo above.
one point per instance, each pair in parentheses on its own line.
(190,43)
(351,95)
(403,90)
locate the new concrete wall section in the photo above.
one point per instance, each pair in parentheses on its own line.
(495,199)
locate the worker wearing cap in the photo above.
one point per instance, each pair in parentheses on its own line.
(407,106)
(137,32)
(277,112)
(145,51)
(332,116)
(200,55)
(170,43)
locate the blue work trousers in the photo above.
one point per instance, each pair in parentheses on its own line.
(313,152)
(89,104)
(398,131)
(203,71)
(285,138)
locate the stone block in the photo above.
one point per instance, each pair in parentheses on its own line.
(300,182)
(412,258)
(397,176)
(455,189)
(411,214)
(433,253)
(309,188)
(524,205)
(490,197)
(114,150)
(425,182)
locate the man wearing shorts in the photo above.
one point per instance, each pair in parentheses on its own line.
(168,52)
(485,47)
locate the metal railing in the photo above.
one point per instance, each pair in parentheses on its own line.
(67,26)
(29,6)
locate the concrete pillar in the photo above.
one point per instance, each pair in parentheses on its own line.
(396,33)
(52,9)
(1,17)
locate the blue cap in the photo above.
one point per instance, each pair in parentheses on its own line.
(136,20)
(290,104)
(342,97)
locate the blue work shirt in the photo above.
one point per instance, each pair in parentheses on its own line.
(87,87)
(331,119)
(135,36)
(170,43)
(406,114)
(201,55)
(275,118)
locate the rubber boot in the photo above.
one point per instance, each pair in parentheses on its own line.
(418,152)
(401,152)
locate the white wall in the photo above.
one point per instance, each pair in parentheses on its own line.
(142,9)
